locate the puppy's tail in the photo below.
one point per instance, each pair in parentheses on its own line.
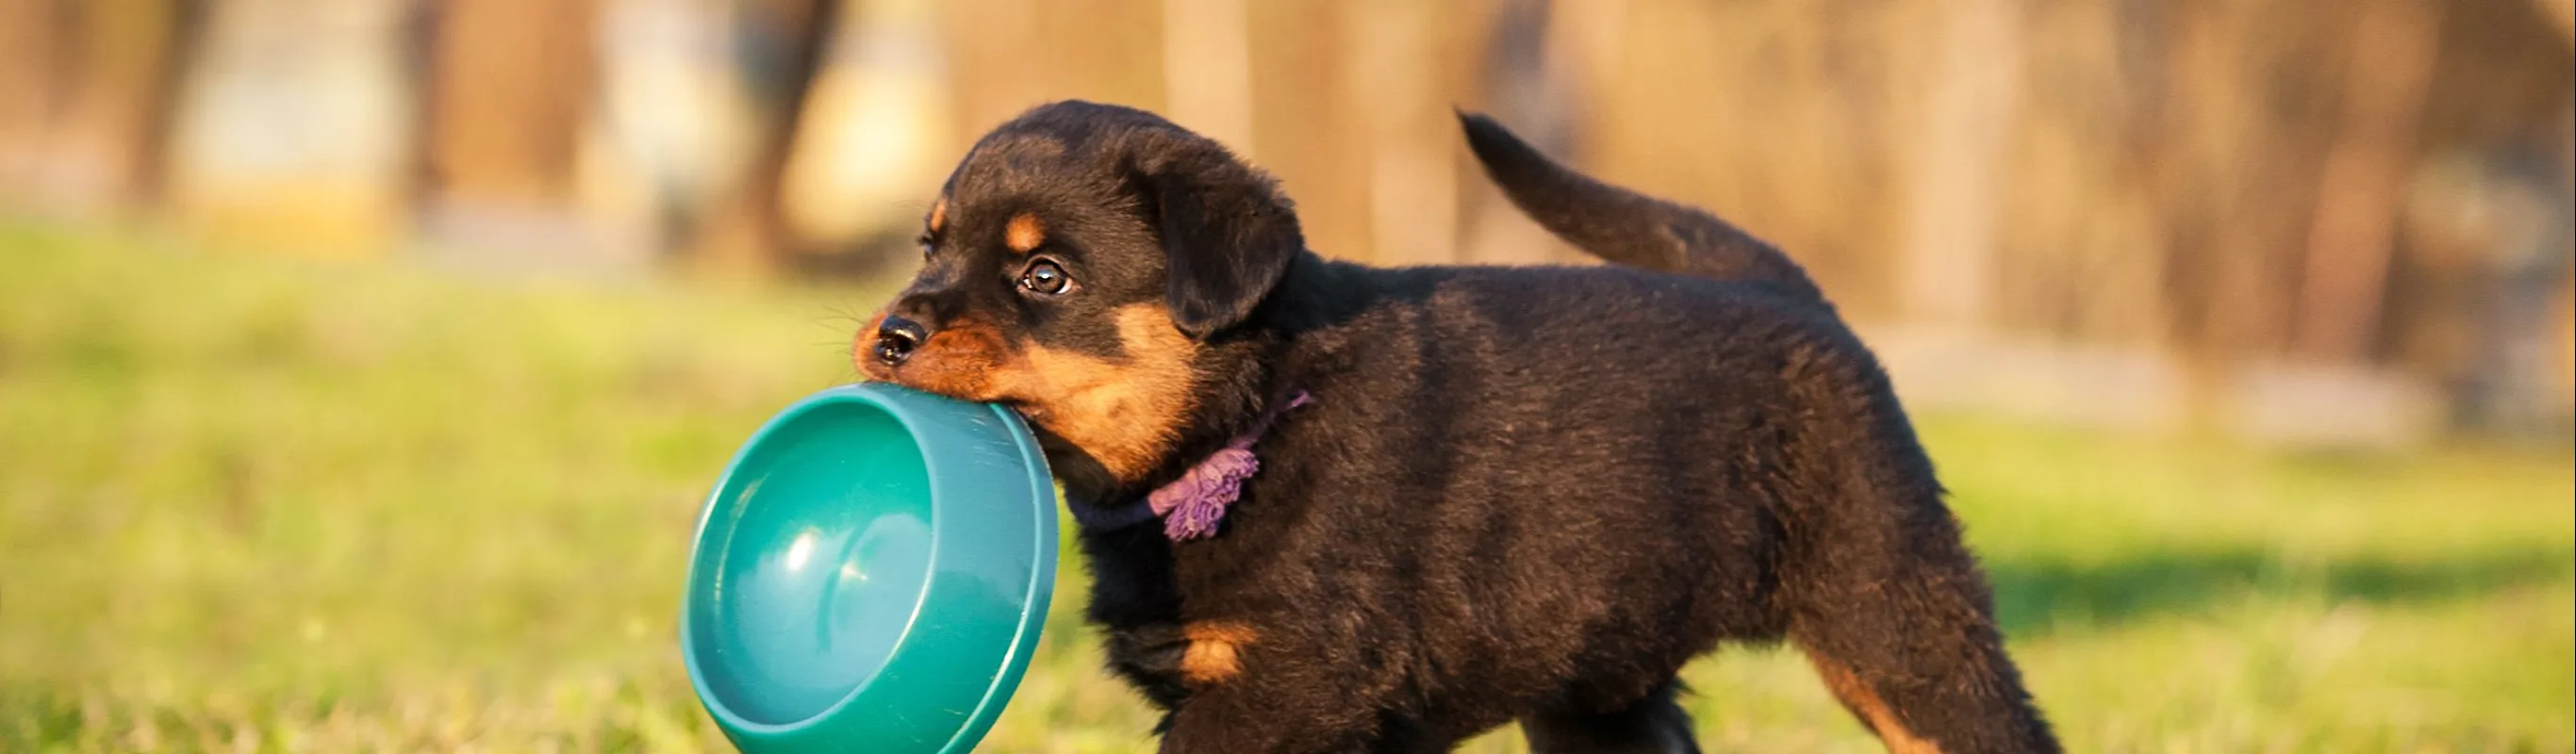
(1626,227)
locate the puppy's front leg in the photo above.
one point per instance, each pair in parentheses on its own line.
(1250,694)
(1237,720)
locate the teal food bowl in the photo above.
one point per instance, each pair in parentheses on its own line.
(870,575)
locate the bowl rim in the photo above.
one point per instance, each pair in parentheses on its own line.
(888,398)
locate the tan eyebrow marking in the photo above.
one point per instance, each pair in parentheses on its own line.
(939,215)
(1024,233)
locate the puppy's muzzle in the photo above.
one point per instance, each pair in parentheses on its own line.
(897,338)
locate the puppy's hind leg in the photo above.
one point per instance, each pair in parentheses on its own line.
(1652,725)
(1915,655)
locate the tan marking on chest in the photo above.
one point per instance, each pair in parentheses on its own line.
(1215,653)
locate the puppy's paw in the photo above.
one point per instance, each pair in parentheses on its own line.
(1150,656)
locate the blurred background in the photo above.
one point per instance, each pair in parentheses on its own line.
(362,361)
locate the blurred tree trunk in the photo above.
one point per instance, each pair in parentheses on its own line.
(747,231)
(36,79)
(183,36)
(2352,232)
(2179,49)
(87,95)
(417,35)
(1304,121)
(1006,56)
(992,67)
(1949,261)
(1207,69)
(508,93)
(1529,81)
(1404,58)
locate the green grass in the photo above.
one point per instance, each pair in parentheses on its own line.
(249,504)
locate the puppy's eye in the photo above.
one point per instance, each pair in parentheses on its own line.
(1047,278)
(924,242)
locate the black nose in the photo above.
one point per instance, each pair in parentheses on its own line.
(896,337)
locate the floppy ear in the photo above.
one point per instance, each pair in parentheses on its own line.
(1228,235)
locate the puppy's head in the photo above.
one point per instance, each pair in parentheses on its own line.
(1079,265)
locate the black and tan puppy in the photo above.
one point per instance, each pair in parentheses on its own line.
(1332,508)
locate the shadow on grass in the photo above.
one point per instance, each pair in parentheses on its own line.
(2037,597)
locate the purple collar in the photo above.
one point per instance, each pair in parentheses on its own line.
(1192,505)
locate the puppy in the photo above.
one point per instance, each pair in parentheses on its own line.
(1335,508)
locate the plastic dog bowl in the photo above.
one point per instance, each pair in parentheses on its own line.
(870,575)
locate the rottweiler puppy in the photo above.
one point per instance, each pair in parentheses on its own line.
(1337,508)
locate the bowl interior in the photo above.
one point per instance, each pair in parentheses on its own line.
(820,550)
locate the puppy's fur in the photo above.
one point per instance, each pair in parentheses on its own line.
(1519,493)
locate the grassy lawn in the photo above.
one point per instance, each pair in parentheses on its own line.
(249,504)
